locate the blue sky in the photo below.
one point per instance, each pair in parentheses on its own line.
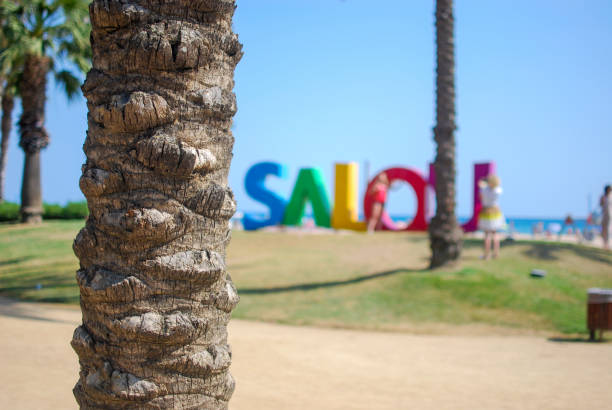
(325,81)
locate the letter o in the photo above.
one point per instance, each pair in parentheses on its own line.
(417,182)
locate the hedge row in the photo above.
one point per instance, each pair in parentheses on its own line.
(9,211)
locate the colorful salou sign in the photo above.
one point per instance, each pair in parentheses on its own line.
(310,188)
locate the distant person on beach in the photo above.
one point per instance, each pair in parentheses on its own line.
(537,229)
(490,219)
(606,209)
(379,193)
(569,224)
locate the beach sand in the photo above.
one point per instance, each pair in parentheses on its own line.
(283,367)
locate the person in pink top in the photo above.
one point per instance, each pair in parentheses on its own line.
(379,193)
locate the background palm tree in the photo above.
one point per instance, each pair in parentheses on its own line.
(445,234)
(155,294)
(8,89)
(7,104)
(42,36)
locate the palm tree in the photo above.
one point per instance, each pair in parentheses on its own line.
(155,294)
(445,234)
(42,36)
(8,81)
(7,104)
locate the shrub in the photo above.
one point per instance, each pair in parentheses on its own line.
(75,210)
(9,211)
(52,211)
(72,210)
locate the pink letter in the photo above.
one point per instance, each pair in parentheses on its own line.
(480,171)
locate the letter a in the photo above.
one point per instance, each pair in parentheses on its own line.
(309,186)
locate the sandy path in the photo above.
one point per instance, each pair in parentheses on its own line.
(281,367)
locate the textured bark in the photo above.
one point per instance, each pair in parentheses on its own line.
(33,135)
(445,234)
(8,103)
(155,295)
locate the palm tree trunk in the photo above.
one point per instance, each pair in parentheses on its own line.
(8,102)
(444,231)
(34,137)
(155,295)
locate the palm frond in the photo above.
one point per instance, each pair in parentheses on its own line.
(69,83)
(58,29)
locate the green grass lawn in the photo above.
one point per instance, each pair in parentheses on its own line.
(351,279)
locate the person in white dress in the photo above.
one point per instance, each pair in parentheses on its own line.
(490,218)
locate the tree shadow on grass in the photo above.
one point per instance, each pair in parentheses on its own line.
(32,286)
(15,261)
(549,250)
(472,243)
(414,239)
(70,300)
(541,251)
(11,222)
(320,285)
(16,309)
(599,255)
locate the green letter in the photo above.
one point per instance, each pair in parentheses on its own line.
(308,187)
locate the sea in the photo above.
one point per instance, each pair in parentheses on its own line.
(527,225)
(517,225)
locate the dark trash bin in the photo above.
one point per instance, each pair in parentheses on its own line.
(599,311)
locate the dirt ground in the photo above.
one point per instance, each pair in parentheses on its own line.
(282,367)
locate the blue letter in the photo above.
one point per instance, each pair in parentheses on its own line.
(254,185)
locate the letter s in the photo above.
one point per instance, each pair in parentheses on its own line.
(254,185)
